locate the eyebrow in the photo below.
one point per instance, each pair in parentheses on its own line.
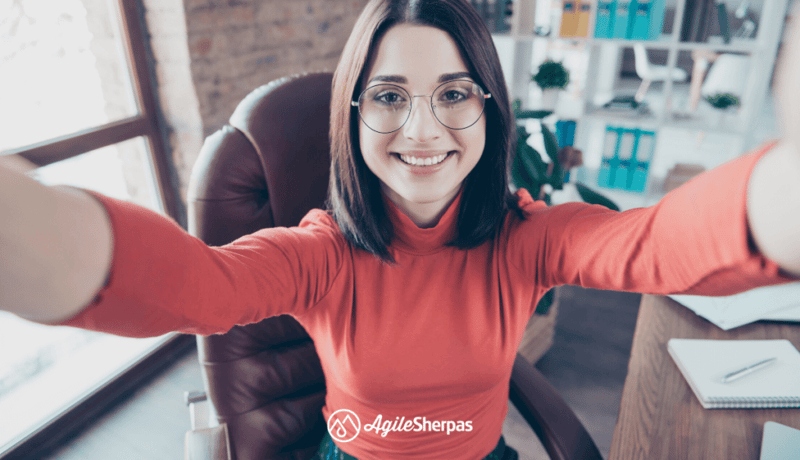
(401,79)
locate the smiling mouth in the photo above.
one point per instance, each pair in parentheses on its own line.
(427,161)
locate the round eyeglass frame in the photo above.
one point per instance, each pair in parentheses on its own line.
(357,103)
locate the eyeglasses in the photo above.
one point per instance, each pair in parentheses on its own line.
(385,108)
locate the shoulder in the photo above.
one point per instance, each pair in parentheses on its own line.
(317,233)
(537,216)
(527,206)
(322,224)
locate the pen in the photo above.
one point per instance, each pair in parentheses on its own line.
(739,373)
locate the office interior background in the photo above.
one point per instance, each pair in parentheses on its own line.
(118,95)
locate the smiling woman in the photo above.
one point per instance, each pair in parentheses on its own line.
(429,43)
(417,283)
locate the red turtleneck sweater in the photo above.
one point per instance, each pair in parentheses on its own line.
(434,336)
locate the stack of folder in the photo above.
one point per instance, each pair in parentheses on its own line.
(626,158)
(630,19)
(575,18)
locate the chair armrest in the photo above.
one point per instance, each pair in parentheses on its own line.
(558,428)
(207,440)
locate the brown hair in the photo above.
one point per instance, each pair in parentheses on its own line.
(354,196)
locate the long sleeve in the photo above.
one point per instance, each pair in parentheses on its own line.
(694,241)
(163,279)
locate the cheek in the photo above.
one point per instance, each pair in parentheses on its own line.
(476,142)
(372,145)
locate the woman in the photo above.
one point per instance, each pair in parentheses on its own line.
(417,285)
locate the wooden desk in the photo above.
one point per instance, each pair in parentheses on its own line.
(660,417)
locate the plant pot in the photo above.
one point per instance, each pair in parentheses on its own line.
(727,119)
(550,98)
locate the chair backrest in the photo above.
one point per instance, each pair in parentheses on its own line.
(642,62)
(268,167)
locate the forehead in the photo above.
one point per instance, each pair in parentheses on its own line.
(420,54)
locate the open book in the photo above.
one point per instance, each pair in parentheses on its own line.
(705,364)
(775,303)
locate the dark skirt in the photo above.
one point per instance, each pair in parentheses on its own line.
(328,450)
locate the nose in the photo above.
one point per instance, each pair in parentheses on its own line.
(422,125)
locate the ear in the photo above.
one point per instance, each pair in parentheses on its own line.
(787,85)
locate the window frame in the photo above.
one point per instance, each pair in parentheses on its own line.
(64,426)
(146,124)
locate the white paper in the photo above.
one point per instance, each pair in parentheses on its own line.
(775,303)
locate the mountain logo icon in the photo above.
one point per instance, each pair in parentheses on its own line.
(344,425)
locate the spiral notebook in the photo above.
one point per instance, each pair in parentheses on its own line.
(704,363)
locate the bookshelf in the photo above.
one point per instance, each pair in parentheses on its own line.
(594,65)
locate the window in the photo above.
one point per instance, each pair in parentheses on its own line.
(76,100)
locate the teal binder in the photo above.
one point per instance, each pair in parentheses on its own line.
(608,166)
(604,20)
(640,19)
(657,18)
(643,154)
(621,17)
(626,158)
(565,132)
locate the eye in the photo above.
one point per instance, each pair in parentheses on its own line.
(454,96)
(388,98)
(454,93)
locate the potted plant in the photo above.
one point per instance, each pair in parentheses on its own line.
(540,177)
(722,102)
(551,77)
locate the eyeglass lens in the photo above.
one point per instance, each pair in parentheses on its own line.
(456,104)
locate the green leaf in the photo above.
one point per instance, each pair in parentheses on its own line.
(550,143)
(545,302)
(532,162)
(590,196)
(529,170)
(556,178)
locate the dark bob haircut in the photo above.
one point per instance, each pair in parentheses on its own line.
(354,196)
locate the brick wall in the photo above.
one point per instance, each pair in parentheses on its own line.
(210,53)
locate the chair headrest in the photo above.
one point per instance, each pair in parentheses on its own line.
(269,166)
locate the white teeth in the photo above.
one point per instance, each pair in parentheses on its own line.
(423,161)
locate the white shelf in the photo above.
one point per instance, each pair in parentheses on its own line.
(594,67)
(664,42)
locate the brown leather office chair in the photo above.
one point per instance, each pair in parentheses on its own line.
(267,168)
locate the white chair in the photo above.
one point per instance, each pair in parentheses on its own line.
(649,72)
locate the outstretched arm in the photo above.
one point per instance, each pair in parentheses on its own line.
(55,248)
(773,199)
(103,264)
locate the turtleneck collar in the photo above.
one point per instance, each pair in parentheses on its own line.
(410,238)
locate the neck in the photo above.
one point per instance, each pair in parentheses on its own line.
(423,214)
